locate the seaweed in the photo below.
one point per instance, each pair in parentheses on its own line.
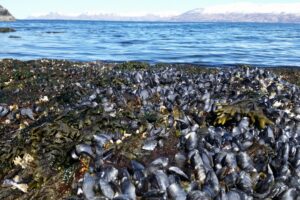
(243,108)
(132,66)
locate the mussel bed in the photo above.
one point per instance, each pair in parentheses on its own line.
(133,131)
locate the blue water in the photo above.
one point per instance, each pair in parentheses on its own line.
(199,43)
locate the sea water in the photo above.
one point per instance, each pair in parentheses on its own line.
(261,44)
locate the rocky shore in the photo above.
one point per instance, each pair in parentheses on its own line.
(73,130)
(5,15)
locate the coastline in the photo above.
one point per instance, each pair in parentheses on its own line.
(159,22)
(46,96)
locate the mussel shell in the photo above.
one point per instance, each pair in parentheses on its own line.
(109,174)
(180,159)
(161,180)
(290,194)
(106,189)
(197,194)
(128,188)
(245,183)
(136,166)
(178,172)
(191,141)
(244,161)
(84,149)
(3,111)
(150,145)
(154,194)
(89,183)
(27,112)
(176,192)
(161,161)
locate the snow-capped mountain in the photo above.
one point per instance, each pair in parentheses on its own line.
(100,16)
(195,15)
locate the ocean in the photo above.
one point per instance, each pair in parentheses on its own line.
(212,44)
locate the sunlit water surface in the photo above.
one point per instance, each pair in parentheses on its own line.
(200,43)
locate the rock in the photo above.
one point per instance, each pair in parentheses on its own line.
(14,37)
(6,29)
(54,32)
(5,15)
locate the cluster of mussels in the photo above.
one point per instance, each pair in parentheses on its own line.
(236,136)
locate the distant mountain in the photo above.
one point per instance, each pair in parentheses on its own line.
(199,15)
(5,15)
(195,15)
(98,16)
(194,12)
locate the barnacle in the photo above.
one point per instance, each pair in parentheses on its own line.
(247,108)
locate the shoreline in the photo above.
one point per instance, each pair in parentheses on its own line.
(289,72)
(189,22)
(22,82)
(155,63)
(49,107)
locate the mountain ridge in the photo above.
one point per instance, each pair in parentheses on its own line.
(194,15)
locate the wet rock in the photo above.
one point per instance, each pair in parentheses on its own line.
(54,32)
(14,37)
(6,30)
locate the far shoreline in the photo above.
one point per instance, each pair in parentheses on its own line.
(145,21)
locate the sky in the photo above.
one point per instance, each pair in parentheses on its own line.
(24,8)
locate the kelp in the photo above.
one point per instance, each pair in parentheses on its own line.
(243,108)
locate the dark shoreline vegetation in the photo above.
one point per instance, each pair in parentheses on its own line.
(50,107)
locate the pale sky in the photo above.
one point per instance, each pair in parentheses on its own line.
(24,8)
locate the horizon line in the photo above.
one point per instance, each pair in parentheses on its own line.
(156,21)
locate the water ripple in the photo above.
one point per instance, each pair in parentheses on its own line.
(201,43)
